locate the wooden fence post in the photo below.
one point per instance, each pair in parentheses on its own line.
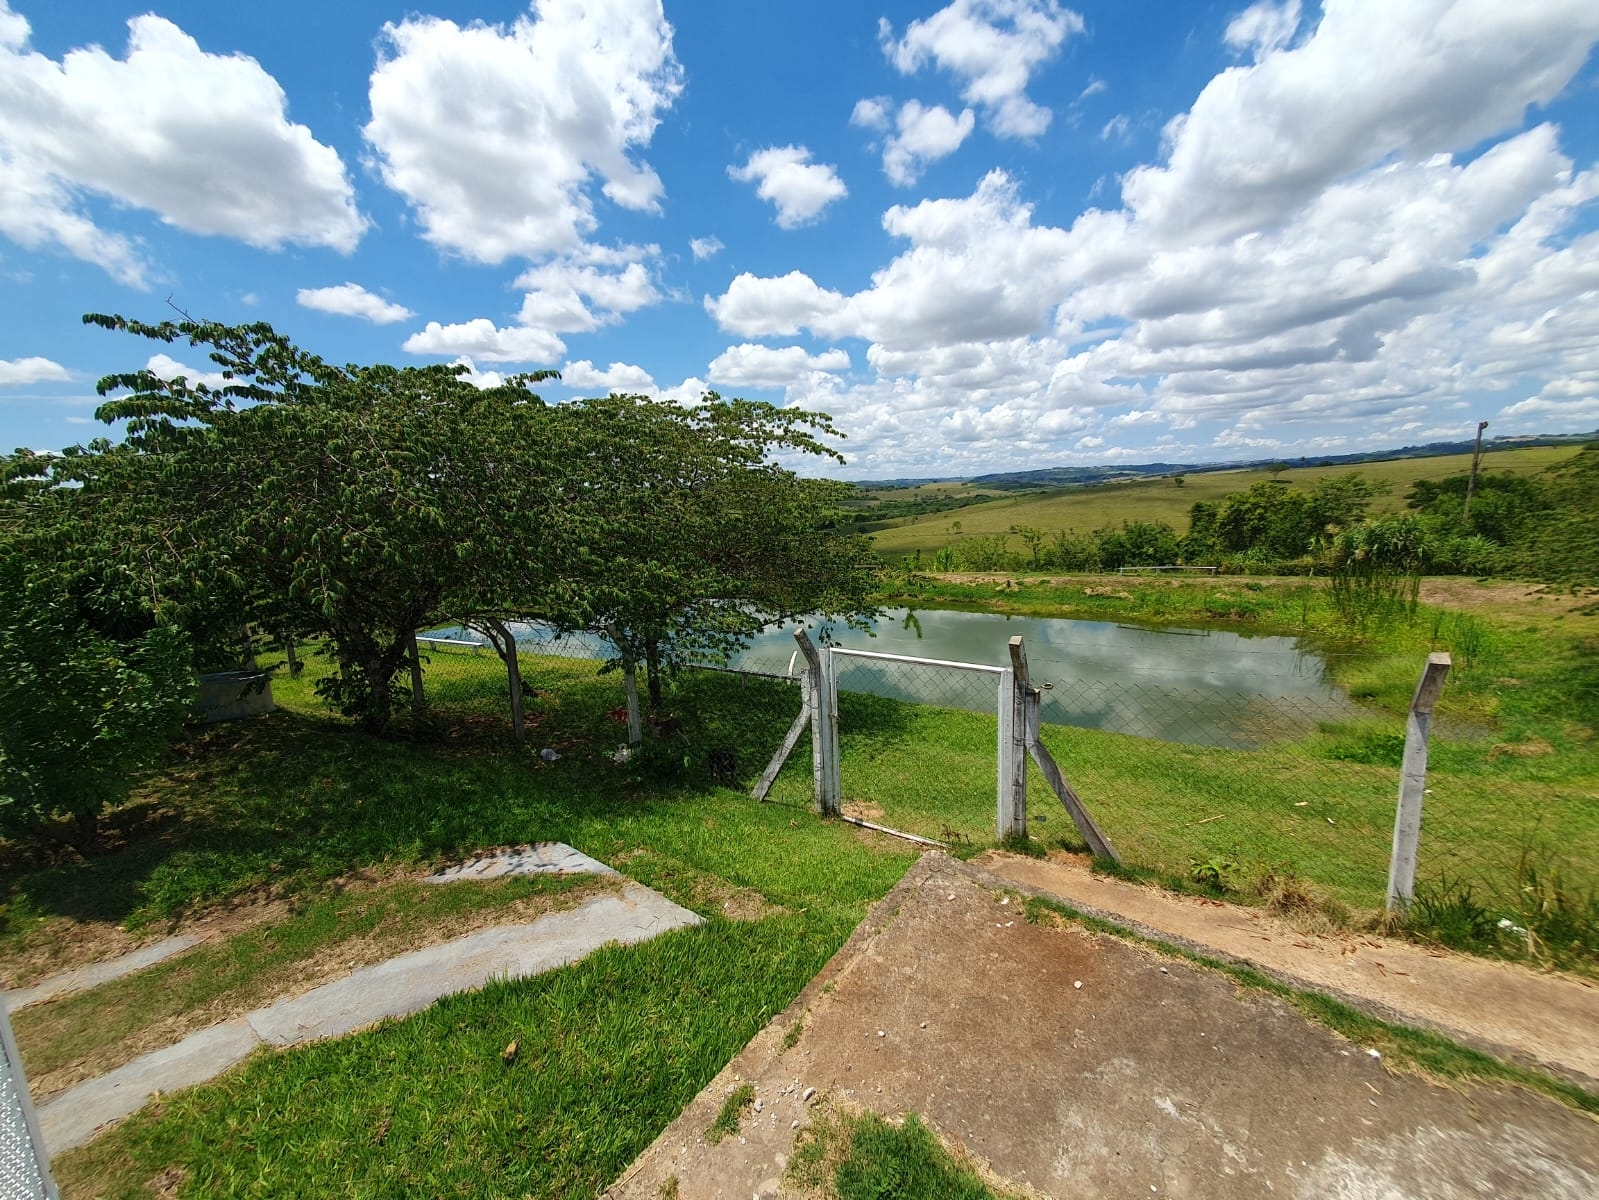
(824,725)
(1413,785)
(1013,685)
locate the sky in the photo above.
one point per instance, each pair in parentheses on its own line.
(989,235)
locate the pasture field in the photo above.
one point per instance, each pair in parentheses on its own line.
(1087,508)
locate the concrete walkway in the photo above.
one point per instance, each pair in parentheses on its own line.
(395,988)
(81,979)
(1541,1019)
(1083,1065)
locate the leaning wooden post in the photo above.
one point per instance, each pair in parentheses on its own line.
(1413,785)
(1013,685)
(824,744)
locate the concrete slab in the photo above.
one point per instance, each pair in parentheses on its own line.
(413,981)
(81,979)
(544,858)
(1540,1018)
(1082,1065)
(394,988)
(72,1118)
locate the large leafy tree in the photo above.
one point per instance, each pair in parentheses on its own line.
(694,538)
(357,501)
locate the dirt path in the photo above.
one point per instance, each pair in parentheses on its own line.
(1544,1019)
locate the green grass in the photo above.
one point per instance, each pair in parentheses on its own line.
(610,1050)
(1087,508)
(228,977)
(864,1157)
(726,1124)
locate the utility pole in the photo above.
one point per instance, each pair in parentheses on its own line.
(1471,484)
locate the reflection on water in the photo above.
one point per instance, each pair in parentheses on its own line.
(1200,686)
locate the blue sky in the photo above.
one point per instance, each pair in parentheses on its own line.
(986,235)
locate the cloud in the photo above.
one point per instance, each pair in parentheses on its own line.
(754,306)
(201,140)
(754,366)
(352,300)
(1434,78)
(477,378)
(1264,27)
(595,287)
(703,248)
(618,377)
(1115,129)
(993,47)
(163,366)
(871,112)
(19,372)
(924,136)
(561,97)
(481,338)
(799,188)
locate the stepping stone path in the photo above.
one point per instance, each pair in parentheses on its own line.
(395,988)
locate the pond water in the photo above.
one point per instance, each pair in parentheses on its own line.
(1199,686)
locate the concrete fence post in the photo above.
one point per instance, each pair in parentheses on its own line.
(824,724)
(1413,785)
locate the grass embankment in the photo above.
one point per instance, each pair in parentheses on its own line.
(1110,504)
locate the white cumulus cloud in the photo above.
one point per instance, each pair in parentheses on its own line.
(202,140)
(756,306)
(352,300)
(756,366)
(799,188)
(618,377)
(994,47)
(923,135)
(481,339)
(500,166)
(19,372)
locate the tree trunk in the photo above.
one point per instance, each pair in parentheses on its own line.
(652,662)
(293,659)
(375,717)
(86,830)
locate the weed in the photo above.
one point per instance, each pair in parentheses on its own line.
(1448,911)
(1216,874)
(791,1035)
(737,1104)
(865,1157)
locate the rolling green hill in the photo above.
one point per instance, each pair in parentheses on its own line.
(1086,508)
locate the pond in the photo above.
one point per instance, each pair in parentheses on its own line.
(1200,686)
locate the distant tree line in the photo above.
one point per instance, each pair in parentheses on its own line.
(1543,526)
(360,504)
